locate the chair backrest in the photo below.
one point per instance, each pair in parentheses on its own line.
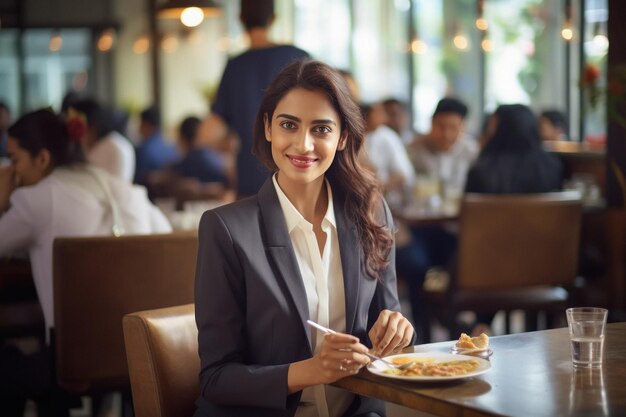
(97,281)
(163,361)
(513,241)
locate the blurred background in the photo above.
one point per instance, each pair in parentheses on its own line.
(131,54)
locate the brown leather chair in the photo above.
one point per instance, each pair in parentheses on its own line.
(163,361)
(97,280)
(515,252)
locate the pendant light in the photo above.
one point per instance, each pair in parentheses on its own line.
(190,12)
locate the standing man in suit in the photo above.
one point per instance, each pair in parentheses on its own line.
(315,243)
(245,78)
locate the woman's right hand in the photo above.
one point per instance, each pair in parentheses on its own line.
(341,355)
(7,185)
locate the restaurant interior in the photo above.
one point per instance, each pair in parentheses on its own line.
(125,339)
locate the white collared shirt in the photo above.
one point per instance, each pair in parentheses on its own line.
(323,282)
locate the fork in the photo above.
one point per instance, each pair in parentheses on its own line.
(391,365)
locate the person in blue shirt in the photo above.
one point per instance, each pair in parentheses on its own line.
(202,163)
(154,153)
(245,78)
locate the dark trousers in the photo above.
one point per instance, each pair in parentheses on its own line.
(32,377)
(430,246)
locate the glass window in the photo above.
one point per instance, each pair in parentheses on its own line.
(323,30)
(595,48)
(9,69)
(55,63)
(380,39)
(446,58)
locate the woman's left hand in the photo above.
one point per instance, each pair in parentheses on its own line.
(390,333)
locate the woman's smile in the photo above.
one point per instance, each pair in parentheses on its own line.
(300,161)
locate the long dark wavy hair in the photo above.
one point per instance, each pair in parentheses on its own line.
(517,130)
(363,200)
(42,129)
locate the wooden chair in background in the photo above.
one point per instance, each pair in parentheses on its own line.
(515,252)
(163,361)
(97,280)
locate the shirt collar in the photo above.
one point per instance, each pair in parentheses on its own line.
(293,216)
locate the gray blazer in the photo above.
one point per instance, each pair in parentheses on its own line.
(251,306)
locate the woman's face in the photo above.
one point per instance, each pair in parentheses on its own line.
(305,133)
(29,170)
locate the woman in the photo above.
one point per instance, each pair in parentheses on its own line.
(105,147)
(314,243)
(512,160)
(49,192)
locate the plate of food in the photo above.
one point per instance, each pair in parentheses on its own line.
(431,366)
(472,346)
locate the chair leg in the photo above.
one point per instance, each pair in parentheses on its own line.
(531,318)
(127,404)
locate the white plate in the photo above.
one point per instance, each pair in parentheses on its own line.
(379,368)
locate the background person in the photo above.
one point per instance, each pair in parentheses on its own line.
(245,78)
(399,119)
(104,146)
(447,151)
(49,191)
(154,153)
(297,251)
(553,125)
(199,162)
(512,162)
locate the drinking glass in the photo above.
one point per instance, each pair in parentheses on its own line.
(586,331)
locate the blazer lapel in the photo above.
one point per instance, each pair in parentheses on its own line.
(279,247)
(350,248)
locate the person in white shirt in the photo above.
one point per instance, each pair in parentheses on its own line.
(105,147)
(399,119)
(443,156)
(387,155)
(47,192)
(447,152)
(315,243)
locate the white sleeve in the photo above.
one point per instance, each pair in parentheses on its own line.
(158,221)
(401,162)
(17,227)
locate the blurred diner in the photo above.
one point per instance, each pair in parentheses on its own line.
(49,191)
(512,162)
(553,125)
(399,119)
(154,152)
(243,82)
(105,147)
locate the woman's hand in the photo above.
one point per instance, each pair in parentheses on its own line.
(8,183)
(341,355)
(390,333)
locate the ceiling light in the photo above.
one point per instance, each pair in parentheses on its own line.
(190,12)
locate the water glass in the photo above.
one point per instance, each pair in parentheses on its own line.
(586,331)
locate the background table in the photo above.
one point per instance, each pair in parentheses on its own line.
(531,376)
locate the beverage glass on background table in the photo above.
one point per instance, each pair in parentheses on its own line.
(586,331)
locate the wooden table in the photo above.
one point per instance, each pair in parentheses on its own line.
(531,376)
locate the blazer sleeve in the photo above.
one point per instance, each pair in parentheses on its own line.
(386,293)
(220,303)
